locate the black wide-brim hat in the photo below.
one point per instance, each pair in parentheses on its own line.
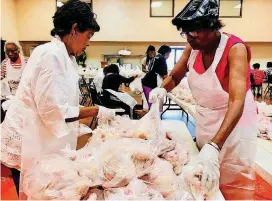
(197,14)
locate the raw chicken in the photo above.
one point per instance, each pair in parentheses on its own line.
(177,157)
(54,178)
(264,126)
(183,92)
(150,127)
(192,177)
(135,190)
(161,177)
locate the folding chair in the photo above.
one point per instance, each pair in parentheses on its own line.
(268,89)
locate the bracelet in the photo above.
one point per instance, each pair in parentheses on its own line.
(214,145)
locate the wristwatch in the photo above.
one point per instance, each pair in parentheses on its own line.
(214,145)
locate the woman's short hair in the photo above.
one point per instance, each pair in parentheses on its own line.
(164,49)
(113,68)
(105,70)
(256,66)
(74,11)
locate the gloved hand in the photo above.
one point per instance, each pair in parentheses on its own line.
(157,93)
(202,175)
(105,113)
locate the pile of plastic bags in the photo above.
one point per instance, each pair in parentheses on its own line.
(183,92)
(264,122)
(123,160)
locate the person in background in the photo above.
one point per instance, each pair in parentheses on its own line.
(158,71)
(113,81)
(268,74)
(147,60)
(269,68)
(44,115)
(258,79)
(11,71)
(105,70)
(226,113)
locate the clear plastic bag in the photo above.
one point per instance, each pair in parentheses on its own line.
(150,127)
(161,177)
(135,190)
(54,177)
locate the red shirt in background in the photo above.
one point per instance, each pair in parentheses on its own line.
(258,77)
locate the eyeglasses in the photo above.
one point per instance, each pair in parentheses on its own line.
(11,51)
(192,34)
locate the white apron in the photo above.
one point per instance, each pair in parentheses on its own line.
(237,176)
(37,139)
(14,75)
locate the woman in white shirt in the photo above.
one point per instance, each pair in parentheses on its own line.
(43,117)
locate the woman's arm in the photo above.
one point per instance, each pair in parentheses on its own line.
(238,65)
(179,71)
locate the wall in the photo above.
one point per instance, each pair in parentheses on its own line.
(8,20)
(261,52)
(96,49)
(128,20)
(34,19)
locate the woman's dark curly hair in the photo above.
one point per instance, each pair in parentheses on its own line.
(74,11)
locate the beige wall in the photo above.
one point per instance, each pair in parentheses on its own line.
(34,19)
(8,20)
(261,52)
(128,20)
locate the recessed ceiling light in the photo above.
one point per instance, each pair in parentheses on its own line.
(59,4)
(156,4)
(237,6)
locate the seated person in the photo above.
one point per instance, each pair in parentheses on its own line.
(258,79)
(113,80)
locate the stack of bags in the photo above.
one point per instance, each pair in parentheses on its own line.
(124,160)
(183,92)
(264,124)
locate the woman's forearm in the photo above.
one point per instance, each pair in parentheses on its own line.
(232,117)
(85,112)
(169,83)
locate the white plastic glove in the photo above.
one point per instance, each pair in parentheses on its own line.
(105,113)
(209,158)
(157,93)
(202,175)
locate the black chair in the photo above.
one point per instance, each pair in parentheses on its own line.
(268,89)
(85,91)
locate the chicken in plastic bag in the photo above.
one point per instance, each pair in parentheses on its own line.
(177,157)
(263,125)
(54,178)
(135,190)
(161,177)
(192,177)
(121,160)
(150,127)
